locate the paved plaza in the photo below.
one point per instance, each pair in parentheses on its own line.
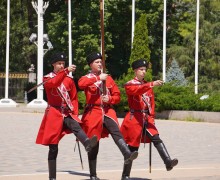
(195,144)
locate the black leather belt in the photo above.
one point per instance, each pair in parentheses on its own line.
(59,107)
(100,105)
(139,110)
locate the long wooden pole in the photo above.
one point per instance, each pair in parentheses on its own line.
(102,41)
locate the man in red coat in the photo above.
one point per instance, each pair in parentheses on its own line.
(99,117)
(61,115)
(138,125)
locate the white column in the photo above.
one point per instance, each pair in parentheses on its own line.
(197,48)
(164,39)
(7,102)
(39,102)
(133,22)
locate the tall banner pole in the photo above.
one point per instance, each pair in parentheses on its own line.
(164,39)
(7,102)
(102,41)
(133,22)
(197,48)
(70,32)
(7,50)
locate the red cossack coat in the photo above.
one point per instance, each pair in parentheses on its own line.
(95,110)
(51,129)
(140,98)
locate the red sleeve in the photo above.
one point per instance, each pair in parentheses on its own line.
(57,80)
(85,81)
(138,89)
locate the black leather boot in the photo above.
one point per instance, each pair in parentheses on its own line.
(52,169)
(128,155)
(170,163)
(92,169)
(126,171)
(88,143)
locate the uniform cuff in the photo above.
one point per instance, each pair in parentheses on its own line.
(66,71)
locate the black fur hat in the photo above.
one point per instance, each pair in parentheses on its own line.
(139,63)
(58,57)
(93,56)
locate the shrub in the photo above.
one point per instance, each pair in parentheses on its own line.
(168,97)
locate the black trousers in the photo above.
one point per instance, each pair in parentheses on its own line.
(70,124)
(113,129)
(154,139)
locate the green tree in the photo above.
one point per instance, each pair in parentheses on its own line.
(209,50)
(86,35)
(175,75)
(20,50)
(140,48)
(118,17)
(181,18)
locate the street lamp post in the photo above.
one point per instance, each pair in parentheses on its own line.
(40,8)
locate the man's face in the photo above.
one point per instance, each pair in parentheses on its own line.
(140,72)
(58,66)
(96,66)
